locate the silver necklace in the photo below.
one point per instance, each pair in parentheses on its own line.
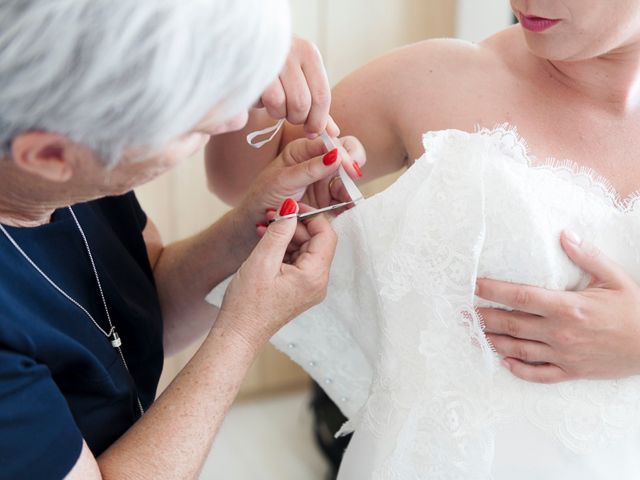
(112,334)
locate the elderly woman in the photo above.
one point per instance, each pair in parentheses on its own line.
(567,77)
(96,98)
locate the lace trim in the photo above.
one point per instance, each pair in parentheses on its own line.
(508,138)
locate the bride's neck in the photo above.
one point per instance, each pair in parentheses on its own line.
(612,79)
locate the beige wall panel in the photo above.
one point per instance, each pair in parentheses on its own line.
(305,15)
(357,31)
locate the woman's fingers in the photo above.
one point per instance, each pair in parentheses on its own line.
(354,150)
(332,128)
(605,272)
(321,247)
(308,172)
(271,249)
(274,100)
(301,235)
(353,156)
(523,350)
(546,373)
(313,69)
(337,190)
(524,298)
(515,324)
(302,93)
(298,96)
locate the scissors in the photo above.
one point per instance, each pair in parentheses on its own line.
(349,185)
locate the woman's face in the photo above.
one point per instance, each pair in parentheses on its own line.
(132,171)
(573,30)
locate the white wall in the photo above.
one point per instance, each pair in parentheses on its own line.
(350,33)
(478,19)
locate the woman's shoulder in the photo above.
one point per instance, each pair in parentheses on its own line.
(450,60)
(447,52)
(441,71)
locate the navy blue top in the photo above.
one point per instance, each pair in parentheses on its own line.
(60,378)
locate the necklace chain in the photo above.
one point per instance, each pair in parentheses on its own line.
(112,334)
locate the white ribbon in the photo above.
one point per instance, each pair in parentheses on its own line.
(349,185)
(275,129)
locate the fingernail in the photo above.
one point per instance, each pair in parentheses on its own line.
(331,157)
(270,210)
(506,364)
(312,136)
(258,225)
(356,167)
(289,207)
(573,237)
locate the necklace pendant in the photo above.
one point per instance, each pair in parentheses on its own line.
(115,340)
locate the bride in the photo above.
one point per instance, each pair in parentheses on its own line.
(399,344)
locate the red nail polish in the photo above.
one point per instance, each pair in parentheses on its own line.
(356,167)
(331,157)
(289,207)
(258,225)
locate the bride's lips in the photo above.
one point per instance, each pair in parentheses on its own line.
(537,24)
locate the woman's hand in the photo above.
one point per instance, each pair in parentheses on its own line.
(267,293)
(557,336)
(302,94)
(303,171)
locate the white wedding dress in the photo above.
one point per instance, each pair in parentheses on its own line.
(397,343)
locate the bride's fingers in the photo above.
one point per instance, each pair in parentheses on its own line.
(523,350)
(547,373)
(516,324)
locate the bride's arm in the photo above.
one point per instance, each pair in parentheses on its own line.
(365,105)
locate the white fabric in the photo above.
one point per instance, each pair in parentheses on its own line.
(398,346)
(352,189)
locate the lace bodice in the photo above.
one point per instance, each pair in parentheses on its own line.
(398,344)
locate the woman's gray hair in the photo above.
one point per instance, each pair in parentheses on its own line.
(117,73)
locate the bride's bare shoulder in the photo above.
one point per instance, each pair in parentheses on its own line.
(430,85)
(451,59)
(442,64)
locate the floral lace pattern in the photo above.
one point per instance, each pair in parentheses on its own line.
(398,344)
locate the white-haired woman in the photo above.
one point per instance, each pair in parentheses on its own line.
(96,98)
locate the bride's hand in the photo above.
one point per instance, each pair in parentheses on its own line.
(558,336)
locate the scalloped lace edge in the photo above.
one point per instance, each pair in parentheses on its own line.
(568,169)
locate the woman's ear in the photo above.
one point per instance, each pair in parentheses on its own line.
(47,155)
